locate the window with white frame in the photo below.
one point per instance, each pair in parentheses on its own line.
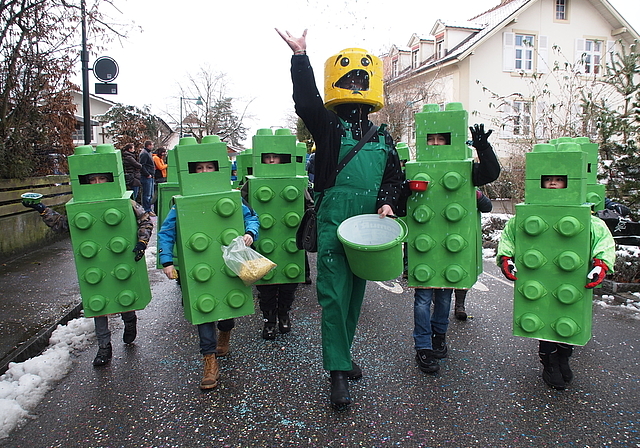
(414,58)
(516,116)
(561,9)
(524,45)
(592,56)
(524,52)
(78,133)
(394,68)
(521,118)
(440,49)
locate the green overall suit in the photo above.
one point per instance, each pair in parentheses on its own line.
(340,293)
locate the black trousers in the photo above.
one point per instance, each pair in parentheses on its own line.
(277,297)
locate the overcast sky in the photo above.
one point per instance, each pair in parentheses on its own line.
(238,38)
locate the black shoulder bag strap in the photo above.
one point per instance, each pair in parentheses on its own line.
(350,155)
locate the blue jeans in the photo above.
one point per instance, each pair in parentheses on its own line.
(147,193)
(425,323)
(209,336)
(136,190)
(103,333)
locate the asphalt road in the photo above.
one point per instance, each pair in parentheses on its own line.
(489,392)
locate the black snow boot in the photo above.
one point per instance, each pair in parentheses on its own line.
(284,322)
(104,356)
(340,398)
(458,308)
(355,373)
(564,353)
(551,373)
(427,361)
(269,329)
(439,344)
(130,331)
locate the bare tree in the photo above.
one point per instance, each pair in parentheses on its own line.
(216,115)
(39,43)
(403,98)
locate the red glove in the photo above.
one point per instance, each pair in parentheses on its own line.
(597,273)
(508,268)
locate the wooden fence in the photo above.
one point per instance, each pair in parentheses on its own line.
(22,228)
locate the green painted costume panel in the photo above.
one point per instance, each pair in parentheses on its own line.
(280,204)
(553,258)
(103,235)
(443,226)
(210,290)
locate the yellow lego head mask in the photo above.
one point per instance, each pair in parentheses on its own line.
(353,76)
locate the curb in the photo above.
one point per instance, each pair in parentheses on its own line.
(36,344)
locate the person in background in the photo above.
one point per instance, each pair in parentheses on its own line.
(131,169)
(160,161)
(311,167)
(147,172)
(210,344)
(59,223)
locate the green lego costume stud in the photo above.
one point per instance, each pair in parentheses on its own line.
(552,250)
(104,232)
(209,216)
(276,193)
(443,223)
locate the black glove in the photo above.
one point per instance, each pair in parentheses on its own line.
(139,250)
(39,207)
(480,138)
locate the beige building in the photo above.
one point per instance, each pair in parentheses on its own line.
(97,106)
(520,67)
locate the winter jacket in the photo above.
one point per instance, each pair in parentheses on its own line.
(148,166)
(168,231)
(131,169)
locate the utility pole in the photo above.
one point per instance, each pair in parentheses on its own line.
(84,57)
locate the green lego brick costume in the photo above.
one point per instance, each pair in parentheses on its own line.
(553,240)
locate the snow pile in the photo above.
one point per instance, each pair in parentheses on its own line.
(24,384)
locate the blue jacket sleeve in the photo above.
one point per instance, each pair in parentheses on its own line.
(167,237)
(251,221)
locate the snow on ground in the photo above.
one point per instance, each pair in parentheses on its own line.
(24,384)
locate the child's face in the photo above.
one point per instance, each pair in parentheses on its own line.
(271,158)
(100,179)
(554,182)
(436,139)
(205,167)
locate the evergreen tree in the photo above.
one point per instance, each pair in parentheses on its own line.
(619,127)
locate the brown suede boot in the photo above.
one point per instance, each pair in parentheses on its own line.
(211,372)
(223,343)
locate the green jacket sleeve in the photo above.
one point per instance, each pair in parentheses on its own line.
(603,245)
(507,243)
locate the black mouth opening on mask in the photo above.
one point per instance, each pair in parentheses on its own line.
(354,80)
